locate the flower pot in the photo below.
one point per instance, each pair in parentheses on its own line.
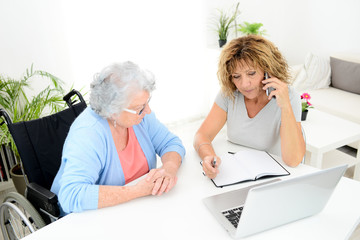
(18,179)
(222,42)
(304,115)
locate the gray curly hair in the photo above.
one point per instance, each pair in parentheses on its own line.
(112,88)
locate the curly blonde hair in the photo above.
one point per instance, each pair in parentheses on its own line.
(255,51)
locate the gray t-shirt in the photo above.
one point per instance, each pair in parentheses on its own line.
(261,132)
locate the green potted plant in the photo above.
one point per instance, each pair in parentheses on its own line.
(251,28)
(225,21)
(20,107)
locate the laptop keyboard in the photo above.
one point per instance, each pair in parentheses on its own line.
(233,215)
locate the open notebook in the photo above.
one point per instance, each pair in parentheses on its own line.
(247,165)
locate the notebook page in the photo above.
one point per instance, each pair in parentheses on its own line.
(246,165)
(259,163)
(231,171)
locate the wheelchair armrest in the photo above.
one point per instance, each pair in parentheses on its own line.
(42,198)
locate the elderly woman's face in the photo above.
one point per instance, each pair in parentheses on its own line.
(138,104)
(247,80)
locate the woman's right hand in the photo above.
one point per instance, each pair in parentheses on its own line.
(208,168)
(145,186)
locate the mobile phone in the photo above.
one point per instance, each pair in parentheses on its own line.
(269,89)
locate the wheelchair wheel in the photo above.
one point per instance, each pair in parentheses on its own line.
(18,217)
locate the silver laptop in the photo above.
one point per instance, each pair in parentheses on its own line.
(274,203)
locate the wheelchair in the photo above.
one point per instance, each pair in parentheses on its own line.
(39,143)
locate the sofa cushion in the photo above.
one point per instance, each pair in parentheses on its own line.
(347,56)
(313,74)
(337,102)
(345,75)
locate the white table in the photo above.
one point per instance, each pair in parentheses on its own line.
(180,214)
(324,133)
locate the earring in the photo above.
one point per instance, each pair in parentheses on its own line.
(114,123)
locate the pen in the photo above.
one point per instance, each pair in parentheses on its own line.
(214,162)
(201,162)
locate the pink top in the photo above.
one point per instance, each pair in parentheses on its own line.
(132,159)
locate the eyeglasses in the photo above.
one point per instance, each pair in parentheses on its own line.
(141,110)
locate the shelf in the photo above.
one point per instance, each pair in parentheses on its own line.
(334,158)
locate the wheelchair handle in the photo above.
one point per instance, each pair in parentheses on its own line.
(67,97)
(6,116)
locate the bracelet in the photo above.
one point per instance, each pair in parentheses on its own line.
(201,144)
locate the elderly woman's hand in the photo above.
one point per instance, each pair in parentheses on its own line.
(166,182)
(164,179)
(155,179)
(145,186)
(208,167)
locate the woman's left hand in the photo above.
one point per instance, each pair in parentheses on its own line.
(281,92)
(165,179)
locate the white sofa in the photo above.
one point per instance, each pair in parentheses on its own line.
(333,84)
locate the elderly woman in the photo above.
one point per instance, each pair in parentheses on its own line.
(248,68)
(115,141)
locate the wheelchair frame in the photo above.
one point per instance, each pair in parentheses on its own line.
(19,215)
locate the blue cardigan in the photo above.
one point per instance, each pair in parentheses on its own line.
(90,158)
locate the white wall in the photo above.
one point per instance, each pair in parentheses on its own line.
(75,39)
(300,26)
